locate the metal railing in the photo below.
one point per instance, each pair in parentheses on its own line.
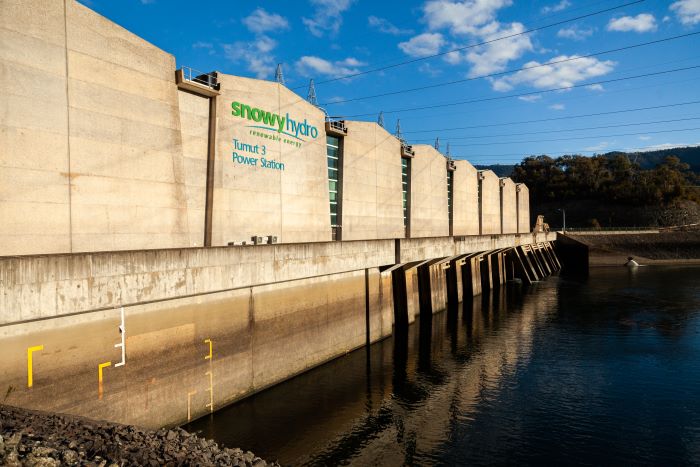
(605,229)
(336,125)
(210,80)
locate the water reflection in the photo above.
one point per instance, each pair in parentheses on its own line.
(563,372)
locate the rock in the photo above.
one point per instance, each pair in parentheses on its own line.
(70,457)
(48,440)
(14,440)
(33,461)
(41,451)
(12,460)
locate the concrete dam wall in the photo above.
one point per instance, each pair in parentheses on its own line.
(172,241)
(201,328)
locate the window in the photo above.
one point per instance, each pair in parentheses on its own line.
(333,154)
(405,189)
(450,208)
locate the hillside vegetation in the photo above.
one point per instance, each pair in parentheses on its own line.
(611,190)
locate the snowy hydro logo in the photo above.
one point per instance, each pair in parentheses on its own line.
(273,122)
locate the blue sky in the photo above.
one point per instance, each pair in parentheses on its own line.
(328,39)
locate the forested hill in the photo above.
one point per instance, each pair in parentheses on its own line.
(612,190)
(650,159)
(646,160)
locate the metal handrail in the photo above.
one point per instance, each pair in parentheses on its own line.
(199,77)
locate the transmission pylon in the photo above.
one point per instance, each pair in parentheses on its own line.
(279,76)
(437,143)
(312,93)
(398,133)
(380,119)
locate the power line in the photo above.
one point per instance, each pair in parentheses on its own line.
(542,91)
(578,137)
(514,70)
(597,114)
(506,106)
(525,154)
(603,127)
(458,49)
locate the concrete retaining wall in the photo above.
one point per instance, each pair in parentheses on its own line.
(269,311)
(259,335)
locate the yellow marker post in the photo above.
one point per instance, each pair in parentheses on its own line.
(189,405)
(30,366)
(211,391)
(208,357)
(99,376)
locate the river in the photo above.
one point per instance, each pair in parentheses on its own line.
(604,371)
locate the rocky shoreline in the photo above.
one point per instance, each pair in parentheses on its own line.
(38,439)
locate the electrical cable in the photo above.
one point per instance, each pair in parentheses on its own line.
(458,49)
(552,119)
(513,70)
(576,138)
(542,91)
(603,127)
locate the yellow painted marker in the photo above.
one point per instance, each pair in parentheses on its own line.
(99,376)
(211,391)
(189,404)
(208,357)
(30,366)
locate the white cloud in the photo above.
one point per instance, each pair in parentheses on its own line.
(328,16)
(557,106)
(563,5)
(688,11)
(461,17)
(645,138)
(557,75)
(470,21)
(206,46)
(260,21)
(310,66)
(574,32)
(643,22)
(383,25)
(531,98)
(423,44)
(599,147)
(429,70)
(494,57)
(657,147)
(336,99)
(254,54)
(595,87)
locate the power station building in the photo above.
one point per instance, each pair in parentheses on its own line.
(105,146)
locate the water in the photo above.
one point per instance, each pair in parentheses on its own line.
(605,372)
